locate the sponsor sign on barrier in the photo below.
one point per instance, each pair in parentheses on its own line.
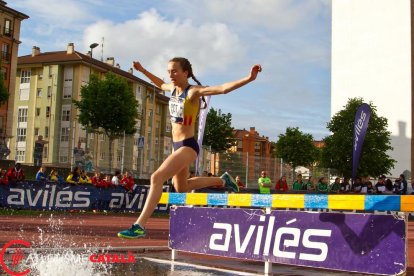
(366,243)
(62,196)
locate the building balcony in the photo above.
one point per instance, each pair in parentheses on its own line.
(8,32)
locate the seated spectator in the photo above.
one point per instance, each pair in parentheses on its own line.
(370,188)
(84,178)
(115,179)
(310,184)
(299,185)
(389,187)
(322,186)
(3,179)
(357,185)
(264,183)
(74,176)
(404,184)
(128,182)
(239,183)
(98,181)
(336,186)
(345,186)
(15,174)
(380,186)
(108,180)
(41,175)
(281,185)
(55,177)
(397,187)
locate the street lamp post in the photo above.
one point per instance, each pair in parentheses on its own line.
(92,46)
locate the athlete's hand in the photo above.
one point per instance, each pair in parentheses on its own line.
(255,71)
(138,66)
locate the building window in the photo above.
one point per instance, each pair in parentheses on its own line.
(20,154)
(67,92)
(21,134)
(240,144)
(38,111)
(45,152)
(118,157)
(4,72)
(64,134)
(102,156)
(7,27)
(39,92)
(46,132)
(65,113)
(5,51)
(158,109)
(25,76)
(47,111)
(22,115)
(49,91)
(63,157)
(36,131)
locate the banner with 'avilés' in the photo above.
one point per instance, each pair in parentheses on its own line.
(360,130)
(366,243)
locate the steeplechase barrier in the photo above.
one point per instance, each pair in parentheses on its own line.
(264,228)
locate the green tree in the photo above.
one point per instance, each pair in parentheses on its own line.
(108,106)
(218,132)
(4,93)
(296,148)
(337,152)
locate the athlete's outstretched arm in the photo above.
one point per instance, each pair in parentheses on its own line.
(230,86)
(156,80)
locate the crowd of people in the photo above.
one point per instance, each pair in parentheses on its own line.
(339,185)
(364,185)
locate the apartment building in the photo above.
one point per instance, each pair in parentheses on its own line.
(46,85)
(10,21)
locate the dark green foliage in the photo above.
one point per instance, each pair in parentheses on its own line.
(296,148)
(337,152)
(218,132)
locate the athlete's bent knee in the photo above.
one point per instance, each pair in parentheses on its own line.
(156,179)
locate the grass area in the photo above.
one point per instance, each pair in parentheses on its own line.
(31,213)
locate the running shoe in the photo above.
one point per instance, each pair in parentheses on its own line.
(230,182)
(136,231)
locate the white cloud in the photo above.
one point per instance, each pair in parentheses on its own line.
(153,40)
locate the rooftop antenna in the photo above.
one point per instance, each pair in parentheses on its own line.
(102,45)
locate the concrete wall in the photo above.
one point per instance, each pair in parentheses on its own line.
(371,58)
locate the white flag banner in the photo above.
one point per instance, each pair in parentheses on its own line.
(201,125)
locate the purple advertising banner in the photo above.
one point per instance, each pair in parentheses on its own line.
(366,243)
(360,129)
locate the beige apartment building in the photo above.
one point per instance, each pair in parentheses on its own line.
(46,84)
(10,21)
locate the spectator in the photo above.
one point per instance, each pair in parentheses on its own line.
(388,187)
(345,186)
(41,175)
(116,178)
(357,185)
(322,186)
(84,178)
(380,186)
(336,186)
(98,181)
(239,183)
(128,182)
(310,184)
(264,182)
(108,180)
(74,176)
(281,185)
(299,184)
(370,188)
(15,174)
(3,179)
(54,176)
(404,184)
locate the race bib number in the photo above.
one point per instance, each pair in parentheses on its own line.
(176,106)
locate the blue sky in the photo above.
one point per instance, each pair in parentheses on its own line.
(291,39)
